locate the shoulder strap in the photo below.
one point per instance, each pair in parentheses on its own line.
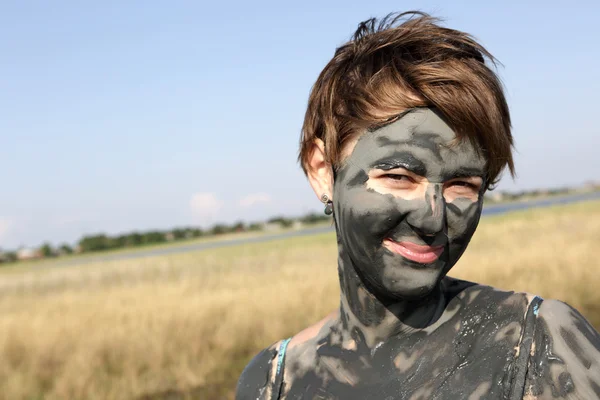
(278,382)
(524,349)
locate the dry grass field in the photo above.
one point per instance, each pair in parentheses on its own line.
(183,326)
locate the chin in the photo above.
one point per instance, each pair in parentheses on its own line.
(408,279)
(412,284)
(410,291)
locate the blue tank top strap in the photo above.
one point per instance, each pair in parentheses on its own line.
(522,361)
(281,353)
(278,383)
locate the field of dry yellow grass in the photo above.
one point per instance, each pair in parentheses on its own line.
(183,326)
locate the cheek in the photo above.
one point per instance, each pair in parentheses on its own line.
(371,213)
(462,218)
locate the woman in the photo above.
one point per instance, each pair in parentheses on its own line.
(406,129)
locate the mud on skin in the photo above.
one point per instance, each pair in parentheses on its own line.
(404,330)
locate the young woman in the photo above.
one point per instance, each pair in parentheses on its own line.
(406,128)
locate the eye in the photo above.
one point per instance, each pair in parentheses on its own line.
(398,177)
(464,184)
(467,188)
(397,181)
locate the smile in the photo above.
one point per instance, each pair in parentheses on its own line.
(414,252)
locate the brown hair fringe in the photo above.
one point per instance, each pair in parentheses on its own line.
(403,61)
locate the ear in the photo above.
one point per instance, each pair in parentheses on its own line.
(319,171)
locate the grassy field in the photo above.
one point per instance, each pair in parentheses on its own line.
(183,326)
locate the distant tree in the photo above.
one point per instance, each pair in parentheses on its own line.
(179,233)
(46,250)
(94,243)
(284,222)
(255,226)
(314,218)
(153,237)
(65,249)
(133,239)
(10,256)
(220,229)
(238,227)
(113,243)
(197,232)
(118,242)
(7,257)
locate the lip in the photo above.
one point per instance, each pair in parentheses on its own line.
(415,252)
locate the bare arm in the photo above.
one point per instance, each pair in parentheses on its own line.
(565,357)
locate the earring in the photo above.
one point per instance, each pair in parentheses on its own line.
(328,204)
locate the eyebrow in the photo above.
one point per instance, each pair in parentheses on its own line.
(401,160)
(464,172)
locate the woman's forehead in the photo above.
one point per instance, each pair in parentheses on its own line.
(419,135)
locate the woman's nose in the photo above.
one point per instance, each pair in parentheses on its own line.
(429,218)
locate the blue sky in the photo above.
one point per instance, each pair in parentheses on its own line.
(119,116)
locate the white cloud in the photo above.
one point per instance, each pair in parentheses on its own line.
(255,198)
(205,205)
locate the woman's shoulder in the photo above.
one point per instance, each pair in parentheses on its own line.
(260,374)
(565,357)
(494,316)
(255,378)
(480,297)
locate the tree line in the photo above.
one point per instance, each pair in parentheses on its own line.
(104,242)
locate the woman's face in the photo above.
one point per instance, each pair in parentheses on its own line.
(407,200)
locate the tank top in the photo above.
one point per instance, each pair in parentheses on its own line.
(520,366)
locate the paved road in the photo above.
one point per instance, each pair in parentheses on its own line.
(489,210)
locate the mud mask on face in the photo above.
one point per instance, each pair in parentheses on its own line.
(403,231)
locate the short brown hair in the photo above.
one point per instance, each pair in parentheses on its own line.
(405,61)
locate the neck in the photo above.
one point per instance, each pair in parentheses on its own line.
(375,318)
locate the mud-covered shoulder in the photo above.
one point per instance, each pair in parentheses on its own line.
(474,296)
(254,381)
(565,356)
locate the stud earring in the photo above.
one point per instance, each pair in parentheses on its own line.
(328,204)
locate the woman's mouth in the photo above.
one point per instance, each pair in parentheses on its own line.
(414,252)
